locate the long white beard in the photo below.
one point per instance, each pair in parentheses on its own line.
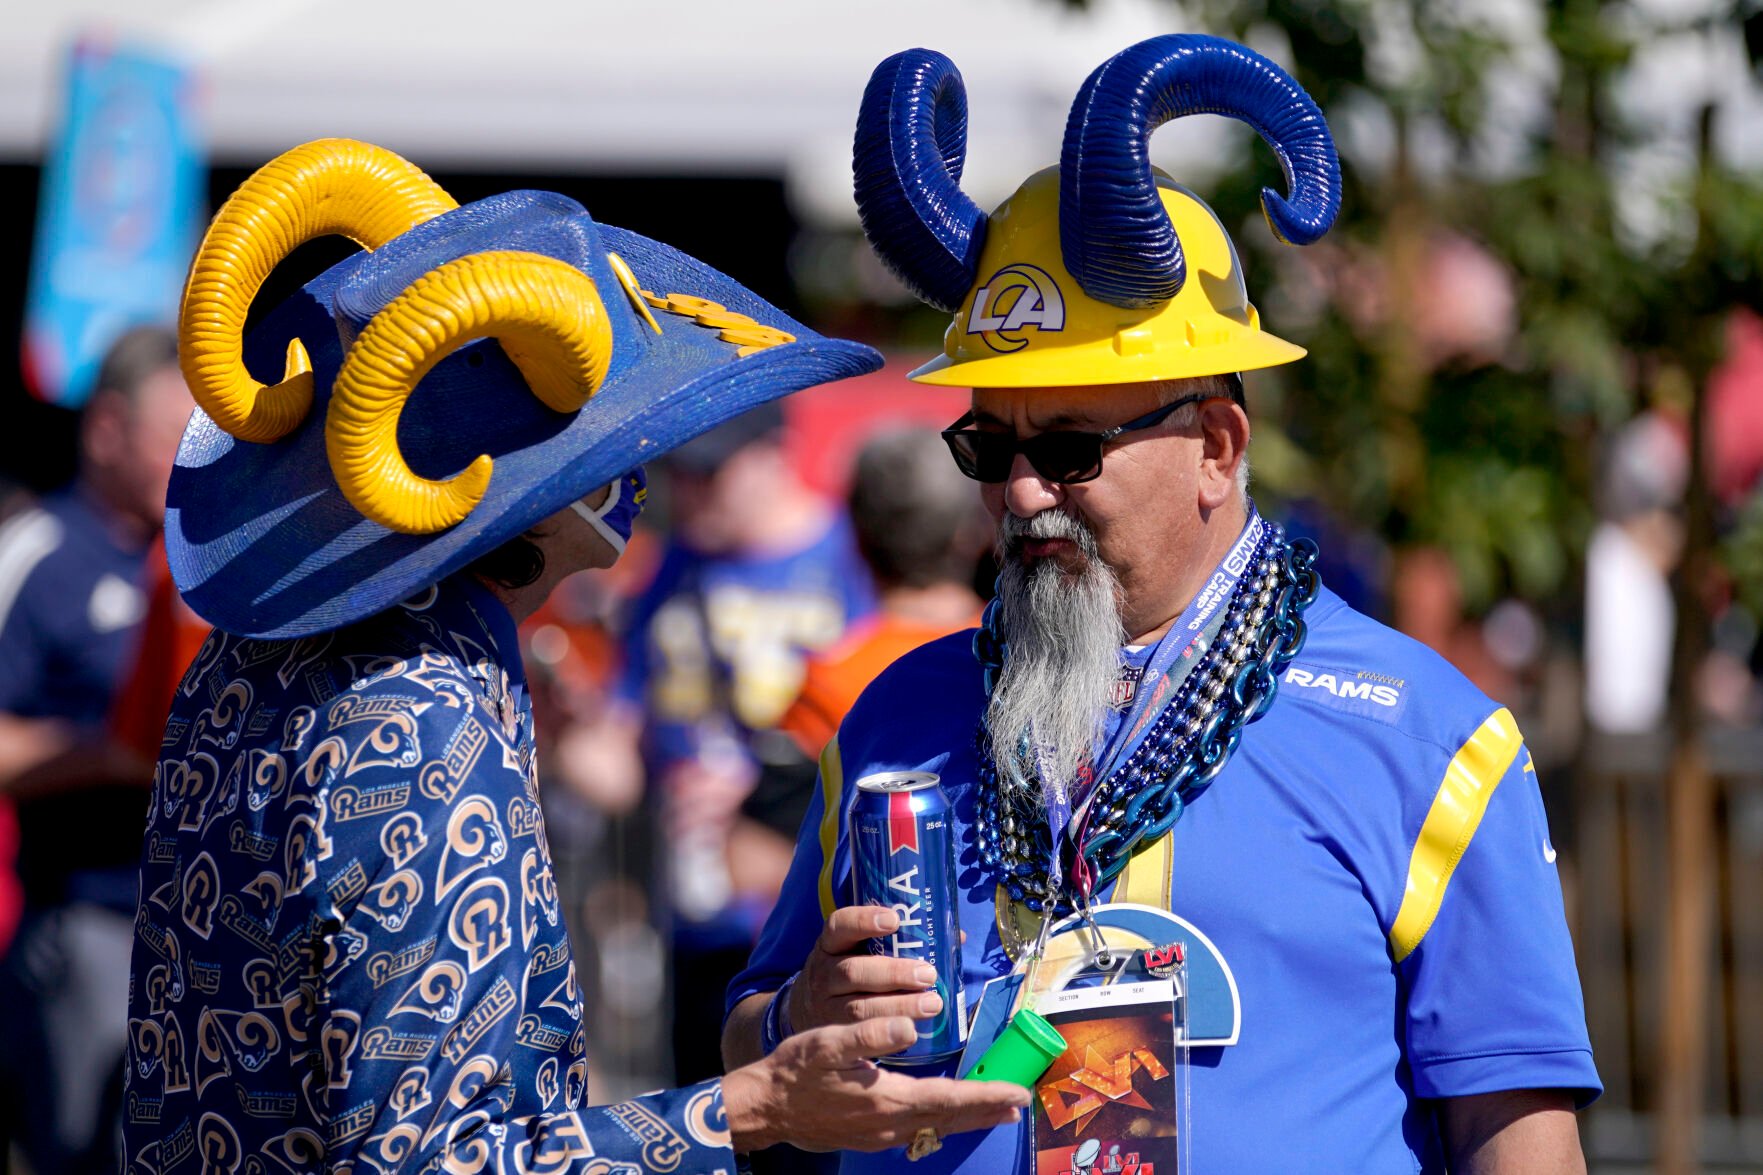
(1064,636)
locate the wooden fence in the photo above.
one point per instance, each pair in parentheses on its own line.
(1616,887)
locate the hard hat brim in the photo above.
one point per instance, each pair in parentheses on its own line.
(1101,362)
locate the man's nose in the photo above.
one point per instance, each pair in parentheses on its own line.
(1027,493)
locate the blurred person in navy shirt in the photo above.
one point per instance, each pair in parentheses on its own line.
(760,571)
(71,601)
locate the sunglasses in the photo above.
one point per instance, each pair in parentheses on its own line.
(1064,456)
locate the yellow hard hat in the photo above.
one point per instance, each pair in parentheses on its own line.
(1027,322)
(1102,270)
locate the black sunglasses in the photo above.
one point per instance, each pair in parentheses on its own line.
(1063,455)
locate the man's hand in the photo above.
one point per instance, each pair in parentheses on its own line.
(820,1092)
(842,983)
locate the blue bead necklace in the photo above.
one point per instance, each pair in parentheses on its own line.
(1188,744)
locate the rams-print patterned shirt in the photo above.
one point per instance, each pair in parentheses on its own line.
(348,955)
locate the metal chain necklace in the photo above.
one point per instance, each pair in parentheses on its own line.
(1188,743)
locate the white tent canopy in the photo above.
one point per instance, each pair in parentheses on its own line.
(764,87)
(769,87)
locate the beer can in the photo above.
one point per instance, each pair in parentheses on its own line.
(903,857)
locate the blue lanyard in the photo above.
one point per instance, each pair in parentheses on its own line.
(1136,725)
(1186,629)
(1057,796)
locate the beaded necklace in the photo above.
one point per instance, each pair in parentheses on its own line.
(1188,743)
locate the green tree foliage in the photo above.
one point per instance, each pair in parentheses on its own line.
(1489,455)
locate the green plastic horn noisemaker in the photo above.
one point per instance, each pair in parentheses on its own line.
(1026,1048)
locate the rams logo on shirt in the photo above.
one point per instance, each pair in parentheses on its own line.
(295,879)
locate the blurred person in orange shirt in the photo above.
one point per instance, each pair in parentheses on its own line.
(71,603)
(920,530)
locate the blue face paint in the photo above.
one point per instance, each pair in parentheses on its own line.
(615,517)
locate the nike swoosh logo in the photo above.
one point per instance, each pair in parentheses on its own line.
(1548,851)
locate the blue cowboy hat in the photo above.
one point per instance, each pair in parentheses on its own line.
(471,372)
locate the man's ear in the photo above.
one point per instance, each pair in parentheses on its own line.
(1224,436)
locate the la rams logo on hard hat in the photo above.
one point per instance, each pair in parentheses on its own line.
(1012,300)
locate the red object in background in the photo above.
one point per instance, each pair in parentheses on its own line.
(11,891)
(1735,410)
(171,636)
(827,425)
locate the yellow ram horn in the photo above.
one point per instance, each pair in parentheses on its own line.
(549,319)
(331,186)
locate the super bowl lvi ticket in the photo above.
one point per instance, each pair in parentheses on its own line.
(1108,1104)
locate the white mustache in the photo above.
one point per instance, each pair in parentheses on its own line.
(1013,531)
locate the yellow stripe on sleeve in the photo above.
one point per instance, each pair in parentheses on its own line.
(832,796)
(1456,813)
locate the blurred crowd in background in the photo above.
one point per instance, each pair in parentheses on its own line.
(1529,434)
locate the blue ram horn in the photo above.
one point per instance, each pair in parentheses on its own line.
(1114,235)
(906,161)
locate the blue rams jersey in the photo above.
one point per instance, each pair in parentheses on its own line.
(70,601)
(70,610)
(717,644)
(348,953)
(1373,868)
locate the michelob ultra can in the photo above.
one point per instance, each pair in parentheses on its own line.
(903,856)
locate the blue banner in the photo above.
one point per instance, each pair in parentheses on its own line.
(121,209)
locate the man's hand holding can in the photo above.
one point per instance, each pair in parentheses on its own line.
(843,983)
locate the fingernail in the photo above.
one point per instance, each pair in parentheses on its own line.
(925,973)
(886,923)
(930,1003)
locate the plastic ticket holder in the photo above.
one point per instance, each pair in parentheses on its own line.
(1026,1048)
